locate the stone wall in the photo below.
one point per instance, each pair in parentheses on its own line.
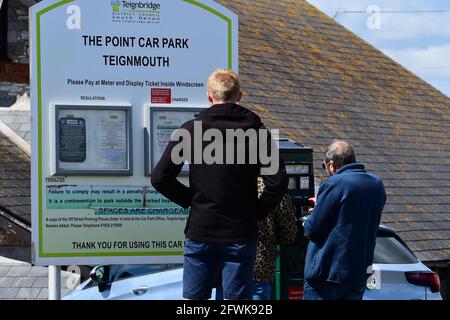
(18,35)
(11,91)
(14,73)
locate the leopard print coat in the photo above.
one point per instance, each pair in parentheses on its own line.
(279,227)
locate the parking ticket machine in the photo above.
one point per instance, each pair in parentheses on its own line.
(288,284)
(299,167)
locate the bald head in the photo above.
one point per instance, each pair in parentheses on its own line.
(341,153)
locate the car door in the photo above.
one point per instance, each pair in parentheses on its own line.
(139,282)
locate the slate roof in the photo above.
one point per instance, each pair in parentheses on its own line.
(19,121)
(15,181)
(304,73)
(21,281)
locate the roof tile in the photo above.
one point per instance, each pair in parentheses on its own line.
(8,293)
(28,293)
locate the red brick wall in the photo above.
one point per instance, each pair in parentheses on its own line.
(14,72)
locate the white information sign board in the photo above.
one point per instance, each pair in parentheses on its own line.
(92,202)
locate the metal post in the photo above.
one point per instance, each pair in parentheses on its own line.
(54,283)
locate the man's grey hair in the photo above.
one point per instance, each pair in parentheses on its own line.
(341,153)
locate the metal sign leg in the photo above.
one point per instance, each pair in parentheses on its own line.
(54,283)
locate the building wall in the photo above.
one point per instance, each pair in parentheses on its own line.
(14,70)
(9,239)
(12,246)
(10,91)
(18,34)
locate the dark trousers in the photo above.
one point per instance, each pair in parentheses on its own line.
(323,290)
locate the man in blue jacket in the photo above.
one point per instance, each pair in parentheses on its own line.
(342,228)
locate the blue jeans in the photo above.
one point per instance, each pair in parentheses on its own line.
(323,290)
(261,291)
(235,263)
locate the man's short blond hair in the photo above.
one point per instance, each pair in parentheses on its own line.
(223,85)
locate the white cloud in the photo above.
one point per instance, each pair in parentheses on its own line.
(399,26)
(431,63)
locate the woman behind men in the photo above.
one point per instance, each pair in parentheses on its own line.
(278,228)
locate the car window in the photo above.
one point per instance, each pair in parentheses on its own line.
(389,250)
(133,270)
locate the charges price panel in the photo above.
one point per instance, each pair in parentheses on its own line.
(162,122)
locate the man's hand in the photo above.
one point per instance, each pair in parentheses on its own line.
(312,203)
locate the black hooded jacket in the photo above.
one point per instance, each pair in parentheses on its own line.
(223,197)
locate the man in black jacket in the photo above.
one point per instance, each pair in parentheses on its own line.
(221,231)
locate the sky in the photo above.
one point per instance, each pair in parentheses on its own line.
(415,33)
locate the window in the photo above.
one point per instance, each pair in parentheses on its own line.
(4,30)
(390,250)
(129,271)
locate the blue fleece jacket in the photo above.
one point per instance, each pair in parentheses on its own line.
(343,226)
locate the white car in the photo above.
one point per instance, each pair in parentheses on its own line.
(396,275)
